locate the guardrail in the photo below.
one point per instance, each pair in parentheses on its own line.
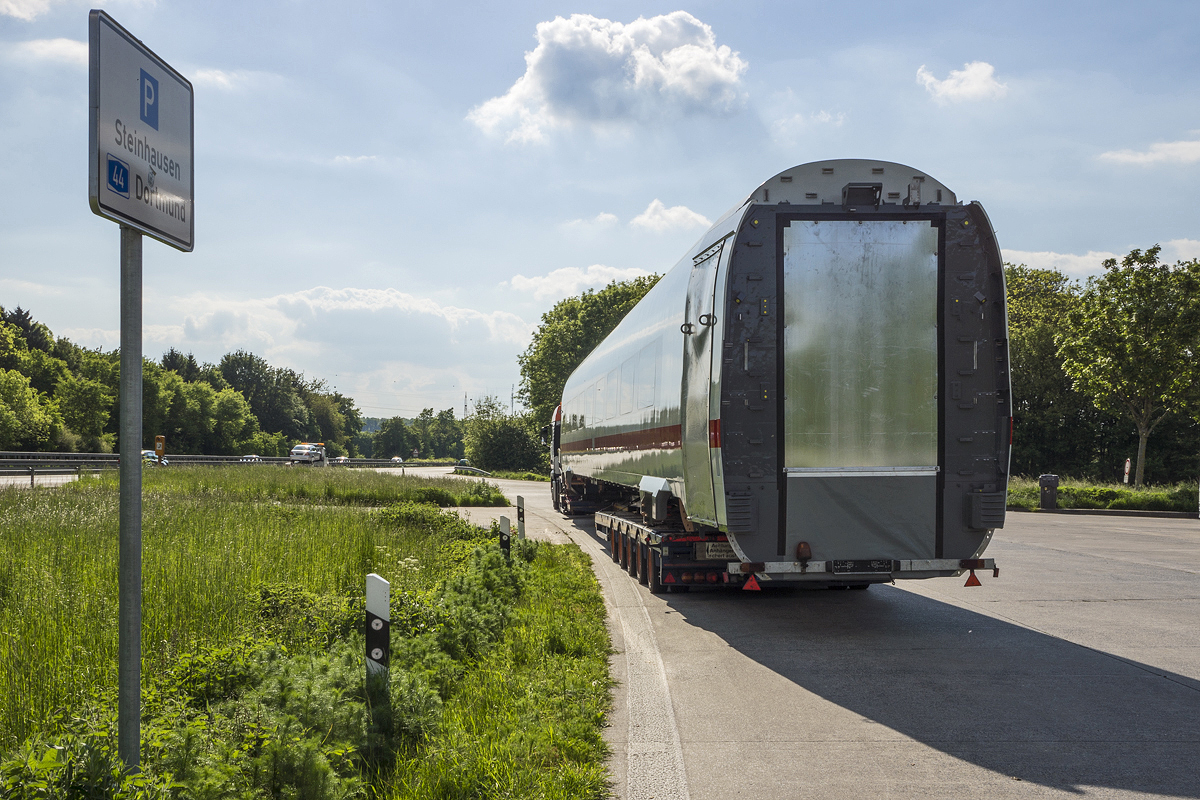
(12,462)
(461,470)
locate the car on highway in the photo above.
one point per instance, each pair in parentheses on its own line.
(341,460)
(149,457)
(397,460)
(309,453)
(251,458)
(462,462)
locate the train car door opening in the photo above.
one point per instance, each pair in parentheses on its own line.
(860,413)
(699,323)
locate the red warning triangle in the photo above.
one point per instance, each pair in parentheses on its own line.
(669,577)
(752,585)
(972,581)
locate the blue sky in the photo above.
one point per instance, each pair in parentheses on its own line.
(389,195)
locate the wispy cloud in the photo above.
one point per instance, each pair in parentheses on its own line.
(975,81)
(789,128)
(1183,152)
(27,10)
(52,51)
(1091,263)
(572,280)
(1076,266)
(30,10)
(348,337)
(232,80)
(600,221)
(657,217)
(596,71)
(343,161)
(1182,249)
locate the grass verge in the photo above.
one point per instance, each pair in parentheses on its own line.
(361,487)
(520,476)
(253,661)
(1023,493)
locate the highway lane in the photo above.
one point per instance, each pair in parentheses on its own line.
(1075,673)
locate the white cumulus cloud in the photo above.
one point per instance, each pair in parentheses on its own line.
(657,217)
(572,280)
(598,71)
(975,81)
(56,51)
(1185,152)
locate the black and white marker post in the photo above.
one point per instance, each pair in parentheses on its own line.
(520,517)
(379,639)
(505,535)
(140,175)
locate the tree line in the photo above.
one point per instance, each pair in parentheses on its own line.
(1099,368)
(58,396)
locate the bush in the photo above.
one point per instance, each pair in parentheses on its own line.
(495,440)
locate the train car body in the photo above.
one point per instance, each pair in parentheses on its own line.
(821,382)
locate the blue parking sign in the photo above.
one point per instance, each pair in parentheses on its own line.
(149,85)
(118,176)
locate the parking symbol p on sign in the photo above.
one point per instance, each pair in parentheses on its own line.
(149,105)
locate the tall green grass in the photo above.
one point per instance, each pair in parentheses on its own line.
(300,484)
(1075,493)
(252,651)
(207,559)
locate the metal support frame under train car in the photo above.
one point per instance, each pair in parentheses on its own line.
(668,557)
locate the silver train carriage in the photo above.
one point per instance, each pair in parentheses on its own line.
(823,379)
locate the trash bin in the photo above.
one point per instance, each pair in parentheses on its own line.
(1049,487)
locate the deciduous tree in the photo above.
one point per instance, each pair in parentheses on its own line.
(568,333)
(1130,342)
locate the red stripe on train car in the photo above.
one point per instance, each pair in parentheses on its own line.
(714,433)
(666,437)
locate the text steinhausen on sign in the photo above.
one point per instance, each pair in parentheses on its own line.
(141,136)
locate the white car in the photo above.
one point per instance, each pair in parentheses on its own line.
(397,460)
(251,458)
(307,453)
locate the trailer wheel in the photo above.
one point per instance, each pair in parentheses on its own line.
(643,573)
(555,491)
(624,559)
(613,551)
(632,566)
(654,579)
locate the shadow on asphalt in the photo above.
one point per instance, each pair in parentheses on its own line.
(988,692)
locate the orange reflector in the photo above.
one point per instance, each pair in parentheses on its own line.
(686,577)
(752,585)
(972,581)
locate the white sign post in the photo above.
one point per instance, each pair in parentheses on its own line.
(140,176)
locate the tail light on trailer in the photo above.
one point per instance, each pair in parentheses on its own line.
(686,577)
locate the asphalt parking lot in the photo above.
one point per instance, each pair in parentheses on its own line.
(1075,673)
